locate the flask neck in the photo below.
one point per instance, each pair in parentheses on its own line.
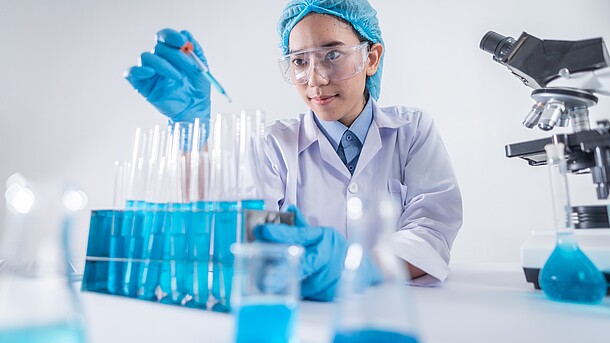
(566,240)
(560,195)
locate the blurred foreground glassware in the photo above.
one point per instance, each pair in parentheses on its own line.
(568,274)
(266,292)
(383,312)
(37,299)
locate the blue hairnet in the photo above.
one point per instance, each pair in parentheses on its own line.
(359,13)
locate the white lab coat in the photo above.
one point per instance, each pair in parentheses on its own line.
(403,156)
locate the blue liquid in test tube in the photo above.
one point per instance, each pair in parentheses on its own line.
(153,252)
(98,247)
(255,204)
(225,234)
(174,266)
(142,254)
(133,226)
(116,254)
(180,250)
(198,246)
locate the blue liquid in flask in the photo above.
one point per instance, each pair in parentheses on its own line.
(60,333)
(270,323)
(569,275)
(373,336)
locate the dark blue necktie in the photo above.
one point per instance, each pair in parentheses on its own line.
(349,147)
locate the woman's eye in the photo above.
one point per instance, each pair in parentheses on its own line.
(299,62)
(333,55)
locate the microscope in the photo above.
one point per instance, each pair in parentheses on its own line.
(566,78)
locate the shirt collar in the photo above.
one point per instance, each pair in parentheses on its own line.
(333,130)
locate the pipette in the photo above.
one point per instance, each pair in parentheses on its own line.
(188,49)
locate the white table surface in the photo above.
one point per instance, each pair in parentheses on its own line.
(478,303)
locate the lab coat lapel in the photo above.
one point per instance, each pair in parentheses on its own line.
(373,142)
(371,147)
(311,134)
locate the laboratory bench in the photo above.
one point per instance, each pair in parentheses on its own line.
(477,303)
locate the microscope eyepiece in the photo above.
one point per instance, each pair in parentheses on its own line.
(497,45)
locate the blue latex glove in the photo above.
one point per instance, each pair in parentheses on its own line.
(171,80)
(323,260)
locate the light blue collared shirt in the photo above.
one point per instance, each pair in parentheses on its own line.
(333,130)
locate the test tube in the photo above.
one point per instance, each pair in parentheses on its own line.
(154,218)
(223,192)
(250,178)
(198,227)
(135,211)
(174,267)
(117,245)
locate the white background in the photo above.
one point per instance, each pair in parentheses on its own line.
(66,113)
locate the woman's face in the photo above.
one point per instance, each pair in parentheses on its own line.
(330,100)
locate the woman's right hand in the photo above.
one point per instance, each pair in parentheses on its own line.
(323,260)
(171,80)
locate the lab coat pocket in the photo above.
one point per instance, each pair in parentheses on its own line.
(397,190)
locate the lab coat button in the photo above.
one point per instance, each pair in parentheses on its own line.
(353,187)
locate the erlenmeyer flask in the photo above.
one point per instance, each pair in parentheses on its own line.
(38,302)
(383,312)
(568,274)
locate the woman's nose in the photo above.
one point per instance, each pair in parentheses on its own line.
(316,79)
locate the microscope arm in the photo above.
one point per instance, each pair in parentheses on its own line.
(594,81)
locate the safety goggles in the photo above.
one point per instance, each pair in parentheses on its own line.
(334,63)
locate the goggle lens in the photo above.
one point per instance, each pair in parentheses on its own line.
(332,63)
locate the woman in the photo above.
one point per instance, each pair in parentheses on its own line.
(344,146)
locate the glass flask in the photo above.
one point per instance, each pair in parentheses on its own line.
(568,274)
(38,302)
(383,312)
